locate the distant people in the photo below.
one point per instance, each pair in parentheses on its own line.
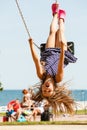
(31,93)
(14,109)
(39,109)
(27,93)
(45,116)
(26,107)
(26,103)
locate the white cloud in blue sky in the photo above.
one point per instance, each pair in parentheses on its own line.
(17,69)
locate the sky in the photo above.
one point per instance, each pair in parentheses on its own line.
(17,70)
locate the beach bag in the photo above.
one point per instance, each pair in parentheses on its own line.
(21,119)
(5,119)
(45,116)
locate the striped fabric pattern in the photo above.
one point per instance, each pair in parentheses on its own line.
(51,58)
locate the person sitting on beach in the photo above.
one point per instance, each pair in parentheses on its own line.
(14,109)
(50,67)
(26,106)
(26,103)
(38,108)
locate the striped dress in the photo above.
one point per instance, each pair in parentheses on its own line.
(51,58)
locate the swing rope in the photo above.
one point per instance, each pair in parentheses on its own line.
(21,14)
(22,17)
(56,1)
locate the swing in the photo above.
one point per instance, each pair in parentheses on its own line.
(70,44)
(70,47)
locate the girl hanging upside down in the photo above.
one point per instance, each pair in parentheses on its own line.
(50,67)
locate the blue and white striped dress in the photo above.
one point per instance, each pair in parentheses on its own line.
(51,58)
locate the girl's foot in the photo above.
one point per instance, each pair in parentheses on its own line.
(55,7)
(61,14)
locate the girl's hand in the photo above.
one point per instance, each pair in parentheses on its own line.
(30,41)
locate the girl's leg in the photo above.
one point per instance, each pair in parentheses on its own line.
(52,35)
(60,37)
(53,27)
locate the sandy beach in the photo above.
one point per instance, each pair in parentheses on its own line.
(63,118)
(45,127)
(53,127)
(50,127)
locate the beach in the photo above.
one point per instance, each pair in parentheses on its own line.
(45,127)
(64,117)
(51,127)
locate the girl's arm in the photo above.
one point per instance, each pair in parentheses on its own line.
(36,59)
(60,71)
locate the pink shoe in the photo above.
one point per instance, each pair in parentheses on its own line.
(55,7)
(61,14)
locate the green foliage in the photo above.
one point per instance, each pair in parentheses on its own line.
(81,112)
(46,123)
(1,88)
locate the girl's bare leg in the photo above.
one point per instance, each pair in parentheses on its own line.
(52,35)
(60,37)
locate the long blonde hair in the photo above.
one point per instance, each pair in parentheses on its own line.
(61,100)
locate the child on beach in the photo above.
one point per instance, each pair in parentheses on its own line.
(50,67)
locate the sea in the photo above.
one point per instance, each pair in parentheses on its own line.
(7,95)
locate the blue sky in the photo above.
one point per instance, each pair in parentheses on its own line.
(17,70)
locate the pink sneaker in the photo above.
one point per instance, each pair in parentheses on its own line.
(55,7)
(61,14)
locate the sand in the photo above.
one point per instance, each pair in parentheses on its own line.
(45,127)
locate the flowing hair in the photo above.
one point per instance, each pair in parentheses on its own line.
(61,100)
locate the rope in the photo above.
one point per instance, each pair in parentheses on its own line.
(56,1)
(21,14)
